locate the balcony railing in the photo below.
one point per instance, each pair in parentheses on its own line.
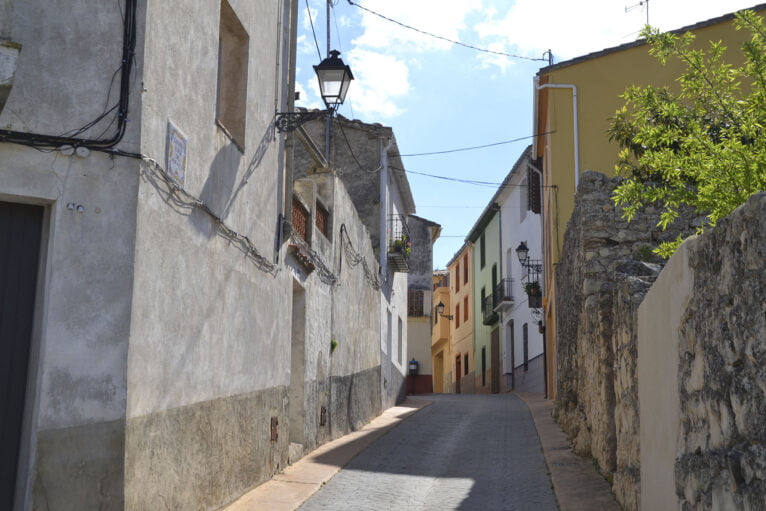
(488,311)
(399,243)
(502,295)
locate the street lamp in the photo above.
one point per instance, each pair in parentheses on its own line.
(533,265)
(334,78)
(440,310)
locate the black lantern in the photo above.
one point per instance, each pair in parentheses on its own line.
(334,78)
(440,310)
(523,252)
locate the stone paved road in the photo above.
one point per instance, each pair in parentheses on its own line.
(466,452)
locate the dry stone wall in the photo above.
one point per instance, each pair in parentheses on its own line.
(722,367)
(604,273)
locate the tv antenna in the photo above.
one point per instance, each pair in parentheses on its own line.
(642,3)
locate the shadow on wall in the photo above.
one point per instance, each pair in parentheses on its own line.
(221,188)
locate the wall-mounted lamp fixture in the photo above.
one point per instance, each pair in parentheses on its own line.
(533,265)
(334,78)
(440,310)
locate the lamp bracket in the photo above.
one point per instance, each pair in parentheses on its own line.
(290,121)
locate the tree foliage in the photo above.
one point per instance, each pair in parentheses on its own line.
(703,145)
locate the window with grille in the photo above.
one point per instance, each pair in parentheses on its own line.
(323,220)
(300,219)
(233,51)
(415,303)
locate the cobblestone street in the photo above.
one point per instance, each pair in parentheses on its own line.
(468,452)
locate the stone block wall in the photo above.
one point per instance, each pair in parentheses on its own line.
(605,270)
(721,462)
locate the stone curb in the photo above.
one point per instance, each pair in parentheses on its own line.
(577,485)
(299,481)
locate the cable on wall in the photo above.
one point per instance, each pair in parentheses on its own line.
(325,274)
(355,259)
(183,198)
(43,142)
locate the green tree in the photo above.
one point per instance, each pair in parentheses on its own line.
(703,146)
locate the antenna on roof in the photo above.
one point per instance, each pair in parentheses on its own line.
(642,3)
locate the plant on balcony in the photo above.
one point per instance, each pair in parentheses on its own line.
(402,244)
(533,288)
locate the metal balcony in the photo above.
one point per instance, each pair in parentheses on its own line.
(502,295)
(399,244)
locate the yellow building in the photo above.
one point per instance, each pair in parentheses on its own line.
(461,324)
(440,334)
(590,86)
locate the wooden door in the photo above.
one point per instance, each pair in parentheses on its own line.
(20,235)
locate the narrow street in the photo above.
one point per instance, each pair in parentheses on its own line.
(468,452)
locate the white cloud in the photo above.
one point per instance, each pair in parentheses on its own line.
(380,80)
(306,21)
(571,29)
(445,18)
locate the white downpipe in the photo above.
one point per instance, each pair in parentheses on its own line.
(576,130)
(383,252)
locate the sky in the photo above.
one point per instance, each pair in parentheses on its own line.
(439,96)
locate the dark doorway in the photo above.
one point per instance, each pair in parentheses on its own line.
(494,360)
(20,235)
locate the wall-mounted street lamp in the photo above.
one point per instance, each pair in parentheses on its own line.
(440,310)
(534,266)
(334,78)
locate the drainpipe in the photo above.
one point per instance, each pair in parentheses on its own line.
(574,115)
(383,252)
(542,243)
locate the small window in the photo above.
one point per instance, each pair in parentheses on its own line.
(457,316)
(457,277)
(465,269)
(323,220)
(300,219)
(415,302)
(436,316)
(465,360)
(233,56)
(483,298)
(481,250)
(465,309)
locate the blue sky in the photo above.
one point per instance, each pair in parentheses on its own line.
(439,96)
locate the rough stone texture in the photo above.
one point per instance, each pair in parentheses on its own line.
(722,367)
(600,284)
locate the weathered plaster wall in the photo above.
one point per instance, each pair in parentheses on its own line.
(600,282)
(209,360)
(74,426)
(717,325)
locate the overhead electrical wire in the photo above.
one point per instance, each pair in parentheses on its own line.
(311,20)
(459,43)
(478,146)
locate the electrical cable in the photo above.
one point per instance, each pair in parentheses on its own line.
(467,181)
(53,142)
(478,146)
(325,274)
(465,45)
(350,150)
(355,259)
(311,20)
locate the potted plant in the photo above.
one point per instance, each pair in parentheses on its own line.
(534,294)
(403,244)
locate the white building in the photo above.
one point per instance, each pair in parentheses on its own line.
(522,340)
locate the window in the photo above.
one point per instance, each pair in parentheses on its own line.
(465,359)
(233,56)
(483,298)
(436,316)
(323,220)
(415,302)
(494,277)
(465,308)
(534,190)
(465,269)
(300,219)
(457,316)
(457,277)
(458,372)
(481,250)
